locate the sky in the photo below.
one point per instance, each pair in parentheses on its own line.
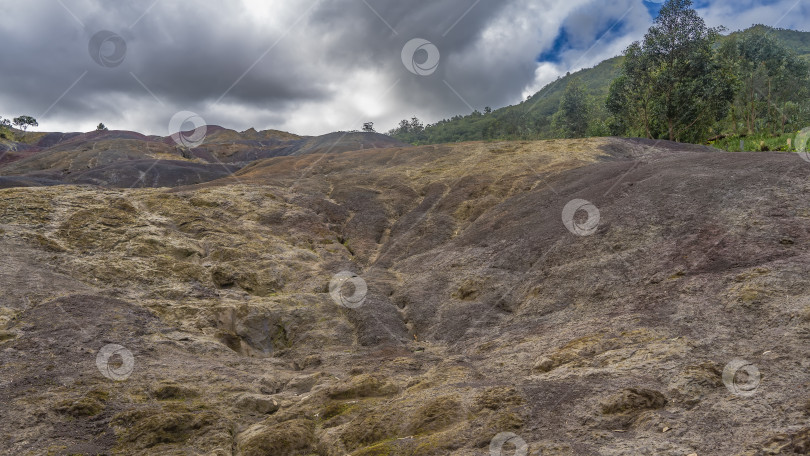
(311,66)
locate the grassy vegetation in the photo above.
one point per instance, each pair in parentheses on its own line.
(757,143)
(533,118)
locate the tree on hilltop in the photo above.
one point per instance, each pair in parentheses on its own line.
(23,122)
(573,113)
(673,85)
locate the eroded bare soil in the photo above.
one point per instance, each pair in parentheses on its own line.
(483,314)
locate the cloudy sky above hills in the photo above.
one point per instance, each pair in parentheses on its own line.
(312,66)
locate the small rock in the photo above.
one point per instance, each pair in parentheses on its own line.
(544,364)
(273,384)
(179,336)
(257,403)
(308,363)
(303,384)
(633,400)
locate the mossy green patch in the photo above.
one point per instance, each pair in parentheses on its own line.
(91,404)
(169,391)
(363,386)
(436,415)
(290,438)
(145,428)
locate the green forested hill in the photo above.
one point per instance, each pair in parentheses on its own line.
(533,118)
(798,42)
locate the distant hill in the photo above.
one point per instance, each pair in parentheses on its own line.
(795,40)
(118,158)
(531,119)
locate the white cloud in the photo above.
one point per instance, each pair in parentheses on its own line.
(328,68)
(545,73)
(741,14)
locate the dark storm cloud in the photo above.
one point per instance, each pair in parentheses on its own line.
(186,56)
(454,26)
(307,66)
